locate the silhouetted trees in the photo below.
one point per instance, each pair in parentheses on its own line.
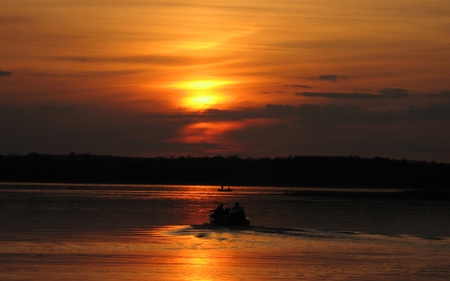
(232,170)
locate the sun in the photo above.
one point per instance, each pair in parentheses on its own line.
(201,101)
(202,94)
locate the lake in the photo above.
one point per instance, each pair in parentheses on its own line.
(161,232)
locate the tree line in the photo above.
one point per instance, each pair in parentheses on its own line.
(312,171)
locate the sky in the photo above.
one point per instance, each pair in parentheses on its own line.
(161,78)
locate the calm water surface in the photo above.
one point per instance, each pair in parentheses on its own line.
(123,232)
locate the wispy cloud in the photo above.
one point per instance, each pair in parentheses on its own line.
(329,77)
(342,114)
(260,130)
(393,92)
(149,59)
(298,86)
(382,94)
(5,73)
(445,94)
(318,114)
(81,74)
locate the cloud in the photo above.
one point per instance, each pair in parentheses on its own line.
(332,78)
(298,86)
(105,73)
(382,94)
(226,115)
(149,59)
(436,112)
(393,92)
(445,94)
(5,73)
(317,114)
(274,92)
(329,77)
(84,129)
(362,90)
(341,114)
(273,130)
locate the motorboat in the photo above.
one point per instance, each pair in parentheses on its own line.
(229,220)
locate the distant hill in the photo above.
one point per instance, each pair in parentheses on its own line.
(289,171)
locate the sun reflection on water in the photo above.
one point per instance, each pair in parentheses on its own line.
(139,236)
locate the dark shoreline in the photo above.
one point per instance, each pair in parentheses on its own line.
(296,171)
(411,194)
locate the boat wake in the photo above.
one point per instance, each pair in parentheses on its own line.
(207,230)
(203,230)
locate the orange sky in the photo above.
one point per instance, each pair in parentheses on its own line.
(266,78)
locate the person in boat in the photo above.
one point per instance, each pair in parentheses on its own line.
(219,212)
(237,213)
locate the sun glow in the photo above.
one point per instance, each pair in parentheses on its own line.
(202,101)
(201,84)
(203,94)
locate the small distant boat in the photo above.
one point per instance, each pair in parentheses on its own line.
(224,189)
(229,220)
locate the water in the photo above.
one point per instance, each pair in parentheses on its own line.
(156,232)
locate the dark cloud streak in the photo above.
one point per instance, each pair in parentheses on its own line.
(149,59)
(334,95)
(329,78)
(338,114)
(319,114)
(5,73)
(445,94)
(298,86)
(393,92)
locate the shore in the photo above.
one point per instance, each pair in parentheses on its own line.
(308,171)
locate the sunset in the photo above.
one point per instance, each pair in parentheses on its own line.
(224,140)
(132,78)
